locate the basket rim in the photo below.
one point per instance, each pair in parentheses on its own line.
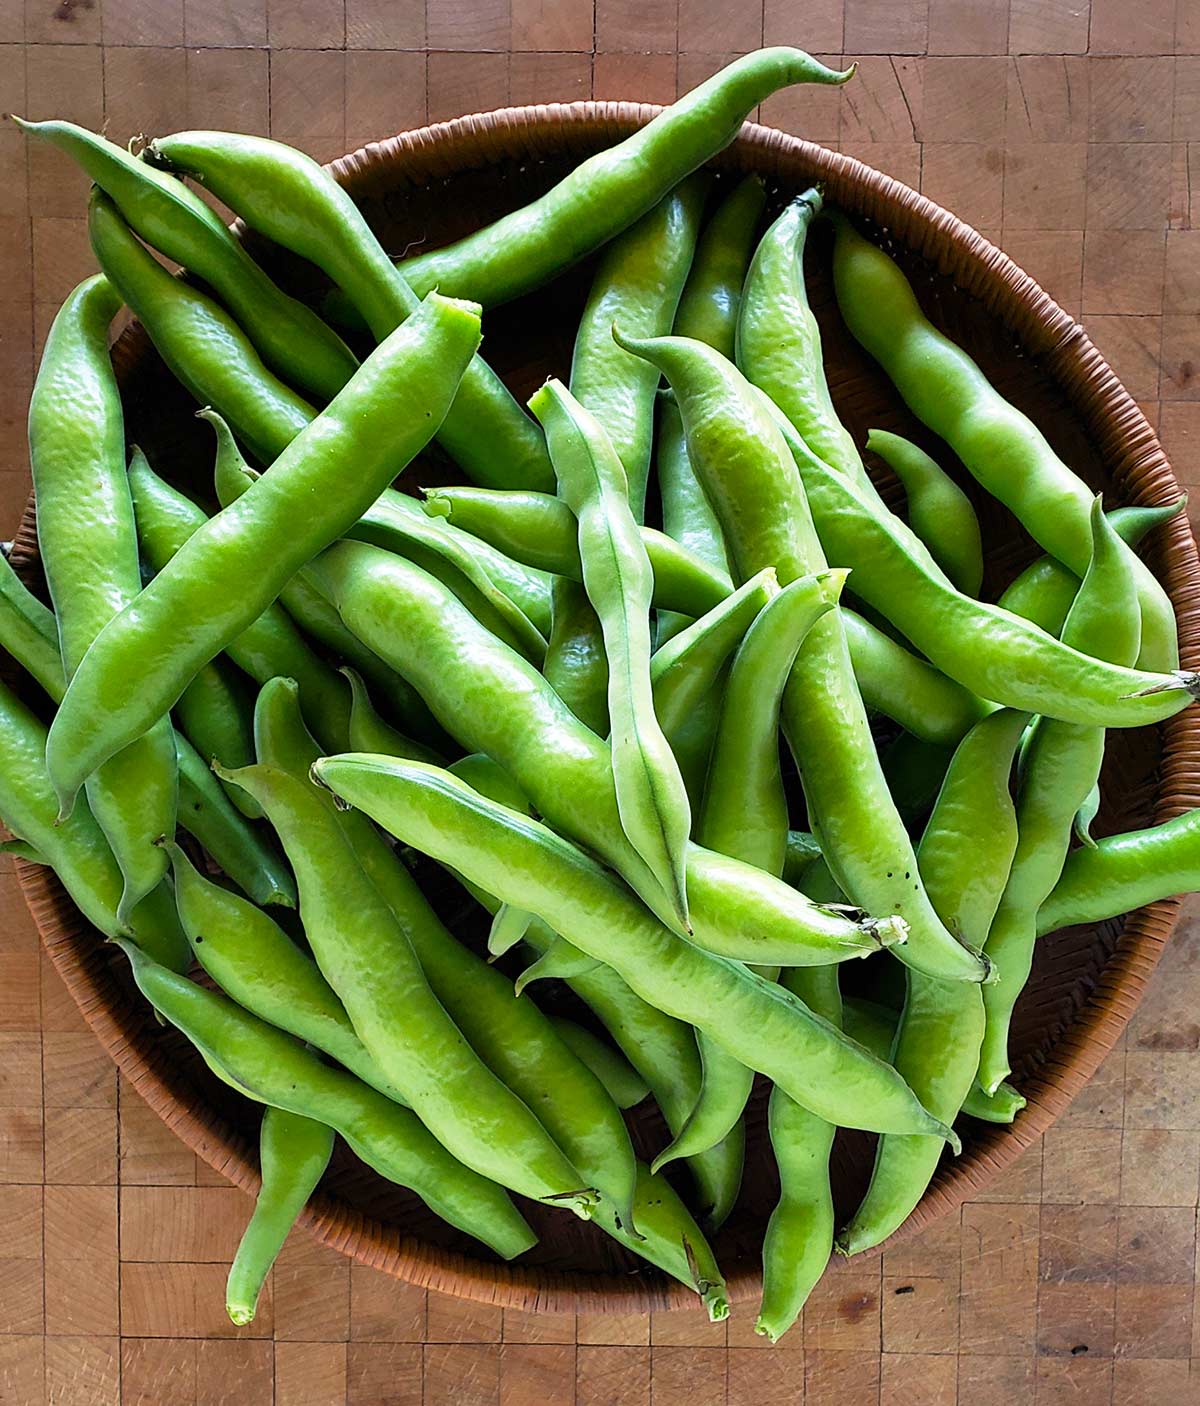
(1126,439)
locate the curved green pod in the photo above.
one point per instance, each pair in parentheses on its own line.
(290,337)
(286,196)
(939,512)
(88,547)
(225,575)
(998,445)
(293,1153)
(520,860)
(606,193)
(637,284)
(274,1068)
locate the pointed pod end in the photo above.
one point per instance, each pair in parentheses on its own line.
(951,1137)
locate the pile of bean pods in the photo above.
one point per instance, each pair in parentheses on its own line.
(577,714)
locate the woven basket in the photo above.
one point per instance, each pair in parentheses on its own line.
(437,183)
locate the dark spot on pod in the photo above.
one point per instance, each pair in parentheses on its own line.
(199,938)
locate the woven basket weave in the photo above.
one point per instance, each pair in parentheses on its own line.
(441,181)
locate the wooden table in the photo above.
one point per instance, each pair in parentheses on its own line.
(1071,135)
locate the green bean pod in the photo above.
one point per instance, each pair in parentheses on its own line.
(270,645)
(276,1069)
(1059,766)
(993,653)
(225,575)
(965,854)
(779,342)
(939,512)
(203,347)
(663,1052)
(999,446)
(540,531)
(1124,872)
(369,732)
(576,665)
(258,965)
(799,1235)
(744,810)
(652,800)
(512,1038)
(369,961)
(288,197)
(606,193)
(687,676)
(88,548)
(519,860)
(637,283)
(290,337)
(1043,592)
(875,1026)
(510,713)
(707,311)
(908,689)
(738,451)
(293,1153)
(75,848)
(387,523)
(206,812)
(214,714)
(624,1085)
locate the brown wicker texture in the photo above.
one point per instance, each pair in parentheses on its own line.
(433,185)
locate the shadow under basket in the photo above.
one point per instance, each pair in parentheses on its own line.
(437,183)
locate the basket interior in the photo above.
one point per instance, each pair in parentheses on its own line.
(410,197)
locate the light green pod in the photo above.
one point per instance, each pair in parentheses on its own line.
(1059,767)
(939,512)
(88,547)
(576,666)
(779,341)
(687,676)
(520,860)
(965,855)
(293,1153)
(258,965)
(997,444)
(652,800)
(637,283)
(274,1068)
